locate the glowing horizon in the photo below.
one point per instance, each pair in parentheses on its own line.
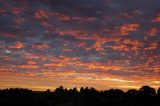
(96,43)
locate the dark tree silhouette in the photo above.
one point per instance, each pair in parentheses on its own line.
(132,92)
(158,91)
(147,91)
(145,96)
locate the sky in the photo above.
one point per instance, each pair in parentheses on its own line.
(96,43)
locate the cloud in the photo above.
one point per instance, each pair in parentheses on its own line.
(75,42)
(17,45)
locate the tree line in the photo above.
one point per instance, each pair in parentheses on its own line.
(145,96)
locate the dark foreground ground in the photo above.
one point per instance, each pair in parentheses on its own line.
(145,96)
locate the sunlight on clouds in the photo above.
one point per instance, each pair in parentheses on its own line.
(104,44)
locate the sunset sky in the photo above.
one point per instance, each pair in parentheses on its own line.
(96,43)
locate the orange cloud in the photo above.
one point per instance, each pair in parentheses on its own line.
(46,24)
(29,66)
(55,65)
(18,45)
(41,46)
(153,31)
(41,14)
(31,62)
(130,15)
(125,29)
(63,17)
(157,19)
(127,15)
(127,45)
(119,47)
(19,20)
(152,46)
(76,33)
(102,66)
(98,46)
(84,19)
(81,44)
(16,10)
(67,50)
(8,35)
